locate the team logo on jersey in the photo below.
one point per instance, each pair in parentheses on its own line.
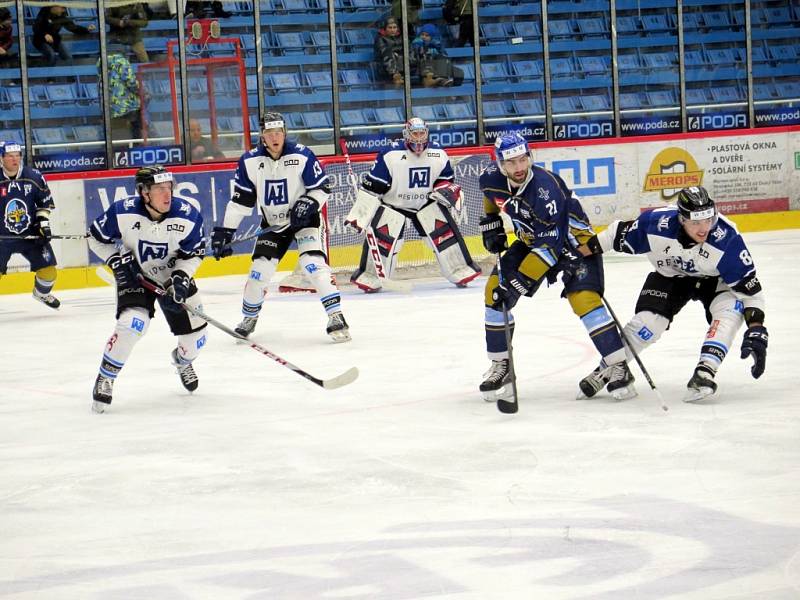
(663,223)
(152,251)
(128,204)
(644,333)
(719,233)
(276,192)
(185,208)
(16,217)
(137,324)
(419,177)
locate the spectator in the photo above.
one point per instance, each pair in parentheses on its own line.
(431,61)
(459,14)
(7,57)
(46,36)
(123,92)
(125,27)
(389,51)
(203,148)
(413,7)
(202,9)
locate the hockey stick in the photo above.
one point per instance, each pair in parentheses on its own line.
(38,237)
(369,236)
(508,406)
(345,378)
(635,354)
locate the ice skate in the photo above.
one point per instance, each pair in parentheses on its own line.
(593,382)
(701,385)
(185,372)
(47,299)
(617,377)
(338,328)
(496,382)
(247,326)
(101,394)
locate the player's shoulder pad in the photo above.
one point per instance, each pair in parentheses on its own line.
(183,209)
(33,174)
(491,174)
(660,221)
(129,205)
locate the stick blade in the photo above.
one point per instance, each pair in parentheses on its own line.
(508,407)
(342,380)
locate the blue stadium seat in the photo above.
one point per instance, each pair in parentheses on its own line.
(632,100)
(296,5)
(82,14)
(319,80)
(15,135)
(459,110)
(778,15)
(593,65)
(357,78)
(765,91)
(629,62)
(737,16)
(659,60)
(662,98)
(788,89)
(565,104)
(468,68)
(562,29)
(720,56)
(692,21)
(495,108)
(493,71)
(561,67)
(426,112)
(526,70)
(48,135)
(163,129)
(716,19)
(88,94)
(283,82)
(596,102)
(527,29)
(696,96)
(389,114)
(782,52)
(694,58)
(628,25)
(655,23)
(592,26)
(198,87)
(528,106)
(321,41)
(494,33)
(352,116)
(759,54)
(317,119)
(62,93)
(726,93)
(38,93)
(291,42)
(359,39)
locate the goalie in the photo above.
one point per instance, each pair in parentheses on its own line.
(412,180)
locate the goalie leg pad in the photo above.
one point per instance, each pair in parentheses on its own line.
(261,272)
(441,232)
(364,209)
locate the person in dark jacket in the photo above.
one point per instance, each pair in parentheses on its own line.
(46,36)
(389,51)
(7,57)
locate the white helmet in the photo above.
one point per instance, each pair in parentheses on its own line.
(415,134)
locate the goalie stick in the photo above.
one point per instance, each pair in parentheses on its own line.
(345,378)
(369,236)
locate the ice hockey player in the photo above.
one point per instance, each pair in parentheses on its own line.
(290,187)
(698,255)
(161,238)
(26,202)
(549,222)
(413,180)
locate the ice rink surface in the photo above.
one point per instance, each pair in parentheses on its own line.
(404,484)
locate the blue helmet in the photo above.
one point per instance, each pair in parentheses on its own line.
(10,146)
(508,146)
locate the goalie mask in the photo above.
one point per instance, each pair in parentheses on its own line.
(415,134)
(509,147)
(694,204)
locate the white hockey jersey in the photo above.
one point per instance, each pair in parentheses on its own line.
(275,184)
(160,247)
(403,179)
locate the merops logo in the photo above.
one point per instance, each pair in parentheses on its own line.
(672,170)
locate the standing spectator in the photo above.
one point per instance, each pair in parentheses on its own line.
(7,57)
(125,26)
(430,59)
(459,13)
(203,148)
(389,51)
(123,92)
(46,36)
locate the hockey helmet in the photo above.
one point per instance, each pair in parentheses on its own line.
(272,120)
(10,146)
(508,146)
(147,176)
(694,204)
(415,134)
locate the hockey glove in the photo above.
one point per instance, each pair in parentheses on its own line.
(181,283)
(305,213)
(493,233)
(510,289)
(755,343)
(448,195)
(125,270)
(221,240)
(44,232)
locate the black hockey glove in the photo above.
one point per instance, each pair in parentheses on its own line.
(493,233)
(125,270)
(44,232)
(755,342)
(448,195)
(305,213)
(510,289)
(221,239)
(181,283)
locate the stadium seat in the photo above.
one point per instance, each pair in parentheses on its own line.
(45,136)
(284,82)
(291,42)
(737,16)
(321,40)
(352,116)
(716,19)
(565,104)
(788,89)
(163,129)
(692,21)
(694,58)
(725,94)
(655,23)
(596,102)
(659,60)
(528,106)
(426,112)
(765,91)
(63,93)
(632,100)
(526,70)
(528,30)
(15,135)
(782,52)
(592,26)
(778,15)
(629,62)
(562,29)
(494,108)
(759,54)
(459,110)
(628,25)
(319,119)
(697,96)
(300,6)
(88,94)
(720,56)
(468,68)
(662,98)
(38,94)
(389,114)
(561,67)
(359,40)
(494,33)
(358,78)
(593,65)
(319,80)
(493,71)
